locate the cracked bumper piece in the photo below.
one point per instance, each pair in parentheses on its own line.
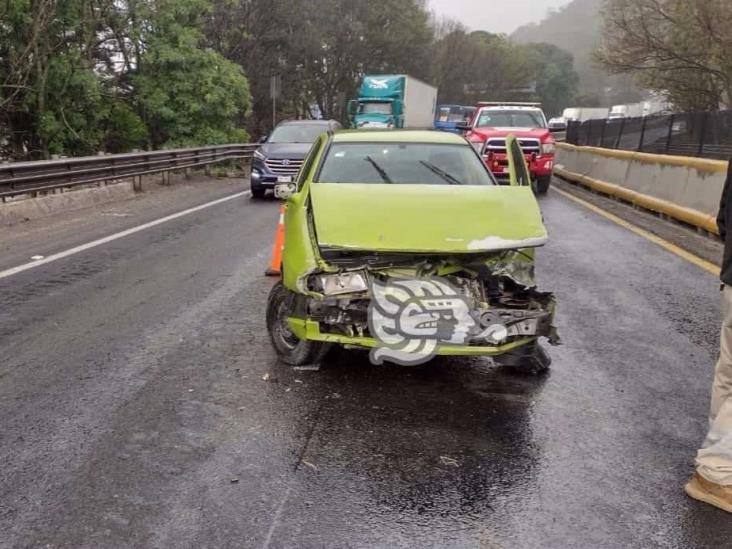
(310,330)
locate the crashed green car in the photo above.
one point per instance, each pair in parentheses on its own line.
(403,243)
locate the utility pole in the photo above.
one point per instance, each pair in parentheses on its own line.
(275,84)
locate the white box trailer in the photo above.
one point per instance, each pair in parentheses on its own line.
(420,103)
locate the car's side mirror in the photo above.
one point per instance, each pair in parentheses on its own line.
(263,139)
(463,127)
(283,191)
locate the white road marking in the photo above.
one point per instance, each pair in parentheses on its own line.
(116,236)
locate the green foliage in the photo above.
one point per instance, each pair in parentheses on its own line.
(81,76)
(556,79)
(680,47)
(481,66)
(188,94)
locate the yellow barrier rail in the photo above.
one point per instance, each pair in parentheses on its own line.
(701,164)
(680,213)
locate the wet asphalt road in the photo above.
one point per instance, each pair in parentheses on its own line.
(134,413)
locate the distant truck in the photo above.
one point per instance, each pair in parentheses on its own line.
(580,114)
(393,101)
(634,110)
(637,110)
(451,117)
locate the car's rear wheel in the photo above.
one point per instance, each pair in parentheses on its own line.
(531,358)
(290,349)
(257,193)
(542,184)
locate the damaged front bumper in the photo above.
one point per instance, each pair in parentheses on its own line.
(310,330)
(490,301)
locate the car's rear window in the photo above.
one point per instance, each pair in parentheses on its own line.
(403,163)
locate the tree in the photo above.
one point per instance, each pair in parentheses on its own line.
(680,47)
(187,94)
(556,79)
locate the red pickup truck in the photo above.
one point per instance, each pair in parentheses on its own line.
(493,122)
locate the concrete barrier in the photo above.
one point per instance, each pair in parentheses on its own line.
(686,189)
(25,209)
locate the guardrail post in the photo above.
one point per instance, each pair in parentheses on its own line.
(602,133)
(702,134)
(642,135)
(670,132)
(620,133)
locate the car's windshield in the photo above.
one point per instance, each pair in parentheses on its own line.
(510,119)
(403,163)
(297,133)
(374,108)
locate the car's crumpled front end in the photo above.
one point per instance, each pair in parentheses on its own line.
(496,292)
(413,272)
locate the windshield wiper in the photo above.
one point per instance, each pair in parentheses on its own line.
(384,176)
(451,179)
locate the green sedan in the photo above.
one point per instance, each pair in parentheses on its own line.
(403,244)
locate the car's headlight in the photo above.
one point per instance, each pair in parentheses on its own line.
(344,283)
(259,155)
(548,148)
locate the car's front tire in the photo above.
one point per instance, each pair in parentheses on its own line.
(290,349)
(258,193)
(531,358)
(542,184)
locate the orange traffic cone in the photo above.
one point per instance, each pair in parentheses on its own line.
(275,266)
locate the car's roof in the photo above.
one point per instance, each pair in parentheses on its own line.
(308,123)
(398,136)
(509,107)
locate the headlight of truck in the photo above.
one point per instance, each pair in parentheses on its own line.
(344,283)
(258,155)
(548,148)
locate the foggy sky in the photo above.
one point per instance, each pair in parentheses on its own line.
(495,15)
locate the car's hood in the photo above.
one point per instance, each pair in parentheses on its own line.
(516,132)
(426,218)
(285,150)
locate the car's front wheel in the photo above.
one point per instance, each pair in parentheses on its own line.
(257,193)
(290,349)
(531,358)
(542,184)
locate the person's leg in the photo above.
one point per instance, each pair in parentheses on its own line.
(712,482)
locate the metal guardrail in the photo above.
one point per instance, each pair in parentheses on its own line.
(47,175)
(699,134)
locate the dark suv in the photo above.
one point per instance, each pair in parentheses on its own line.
(279,158)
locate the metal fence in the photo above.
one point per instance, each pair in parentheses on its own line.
(702,134)
(33,177)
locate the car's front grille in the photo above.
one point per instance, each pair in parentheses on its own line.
(284,166)
(529,146)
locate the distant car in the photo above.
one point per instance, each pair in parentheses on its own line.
(558,124)
(281,155)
